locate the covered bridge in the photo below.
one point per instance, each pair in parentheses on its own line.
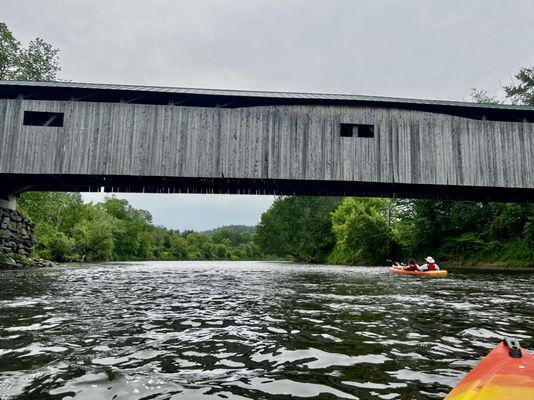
(81,137)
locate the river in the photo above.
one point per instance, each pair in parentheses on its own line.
(250,330)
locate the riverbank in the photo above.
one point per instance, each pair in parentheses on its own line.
(488,266)
(17,261)
(504,261)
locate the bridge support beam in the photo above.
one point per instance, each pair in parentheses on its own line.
(17,236)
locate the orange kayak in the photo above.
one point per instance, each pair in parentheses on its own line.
(429,274)
(506,373)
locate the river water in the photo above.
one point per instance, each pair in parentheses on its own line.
(250,330)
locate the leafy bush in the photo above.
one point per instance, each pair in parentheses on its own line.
(362,232)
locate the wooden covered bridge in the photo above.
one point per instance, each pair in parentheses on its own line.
(81,137)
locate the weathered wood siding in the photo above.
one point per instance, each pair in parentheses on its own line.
(272,142)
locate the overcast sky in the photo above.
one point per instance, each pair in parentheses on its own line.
(410,48)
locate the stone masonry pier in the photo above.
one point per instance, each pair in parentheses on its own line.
(17,237)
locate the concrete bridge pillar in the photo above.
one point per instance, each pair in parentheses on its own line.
(17,237)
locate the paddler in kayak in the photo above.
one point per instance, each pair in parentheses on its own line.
(429,265)
(412,266)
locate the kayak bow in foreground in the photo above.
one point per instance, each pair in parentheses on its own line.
(429,274)
(506,373)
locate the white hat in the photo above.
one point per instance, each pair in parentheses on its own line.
(430,259)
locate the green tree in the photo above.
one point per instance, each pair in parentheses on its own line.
(522,91)
(298,227)
(231,237)
(519,92)
(130,240)
(62,210)
(38,61)
(54,215)
(363,231)
(467,231)
(94,236)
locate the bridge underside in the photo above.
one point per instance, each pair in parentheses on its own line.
(19,183)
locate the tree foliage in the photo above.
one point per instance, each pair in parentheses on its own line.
(68,229)
(483,96)
(522,91)
(363,231)
(38,61)
(309,229)
(371,231)
(470,231)
(297,227)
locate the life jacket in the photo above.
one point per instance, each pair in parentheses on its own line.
(431,267)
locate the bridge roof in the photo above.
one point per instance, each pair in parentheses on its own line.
(240,98)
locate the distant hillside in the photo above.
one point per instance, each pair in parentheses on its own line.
(234,228)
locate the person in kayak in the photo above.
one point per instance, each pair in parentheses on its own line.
(412,266)
(429,265)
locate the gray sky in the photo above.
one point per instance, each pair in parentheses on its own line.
(409,48)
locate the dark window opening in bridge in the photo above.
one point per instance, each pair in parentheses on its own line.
(357,130)
(40,118)
(366,131)
(346,130)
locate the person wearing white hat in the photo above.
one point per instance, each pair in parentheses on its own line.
(429,265)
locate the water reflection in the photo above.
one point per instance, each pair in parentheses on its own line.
(236,330)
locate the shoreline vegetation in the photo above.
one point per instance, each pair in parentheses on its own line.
(69,230)
(332,230)
(368,231)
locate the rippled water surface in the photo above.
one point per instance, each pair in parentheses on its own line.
(250,330)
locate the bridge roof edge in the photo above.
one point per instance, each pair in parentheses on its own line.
(244,98)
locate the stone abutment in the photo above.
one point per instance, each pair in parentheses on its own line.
(17,236)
